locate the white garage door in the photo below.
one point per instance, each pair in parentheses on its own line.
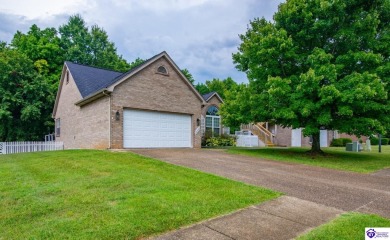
(146,129)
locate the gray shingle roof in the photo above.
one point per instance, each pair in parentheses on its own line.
(207,95)
(90,79)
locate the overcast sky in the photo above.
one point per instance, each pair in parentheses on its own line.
(199,35)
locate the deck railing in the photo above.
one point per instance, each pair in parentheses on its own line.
(263,134)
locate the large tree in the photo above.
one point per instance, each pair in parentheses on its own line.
(30,69)
(24,112)
(89,46)
(43,48)
(235,104)
(320,65)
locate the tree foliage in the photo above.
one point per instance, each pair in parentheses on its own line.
(222,87)
(138,61)
(43,48)
(25,94)
(320,64)
(30,68)
(188,75)
(235,104)
(89,46)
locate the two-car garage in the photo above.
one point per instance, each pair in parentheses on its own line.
(152,129)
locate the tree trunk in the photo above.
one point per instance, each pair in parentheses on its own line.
(315,145)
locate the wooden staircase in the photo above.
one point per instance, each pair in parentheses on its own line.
(261,132)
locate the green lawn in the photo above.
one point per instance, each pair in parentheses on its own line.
(349,226)
(86,194)
(336,158)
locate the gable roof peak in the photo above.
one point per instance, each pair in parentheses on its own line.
(93,80)
(209,95)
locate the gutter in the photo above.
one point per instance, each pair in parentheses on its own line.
(93,97)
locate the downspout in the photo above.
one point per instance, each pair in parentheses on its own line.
(109,119)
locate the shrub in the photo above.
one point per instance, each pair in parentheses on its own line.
(346,140)
(375,141)
(337,142)
(340,142)
(221,141)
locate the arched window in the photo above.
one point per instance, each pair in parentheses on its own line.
(213,121)
(162,70)
(212,111)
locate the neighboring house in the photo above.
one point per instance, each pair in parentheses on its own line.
(271,134)
(151,106)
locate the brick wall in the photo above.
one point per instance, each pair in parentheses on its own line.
(283,136)
(82,127)
(149,90)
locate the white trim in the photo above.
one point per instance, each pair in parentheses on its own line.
(212,123)
(92,97)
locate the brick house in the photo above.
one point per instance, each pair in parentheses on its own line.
(151,106)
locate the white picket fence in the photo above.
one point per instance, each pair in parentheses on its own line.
(20,147)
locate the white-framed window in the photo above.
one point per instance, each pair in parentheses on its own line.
(213,121)
(58,127)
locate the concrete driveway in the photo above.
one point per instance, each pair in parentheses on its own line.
(346,191)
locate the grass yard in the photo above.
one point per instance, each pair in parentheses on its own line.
(349,226)
(336,158)
(88,194)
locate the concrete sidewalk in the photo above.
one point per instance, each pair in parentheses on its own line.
(282,218)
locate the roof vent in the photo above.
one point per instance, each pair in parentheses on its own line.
(67,77)
(162,70)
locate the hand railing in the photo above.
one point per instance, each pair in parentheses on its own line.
(258,129)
